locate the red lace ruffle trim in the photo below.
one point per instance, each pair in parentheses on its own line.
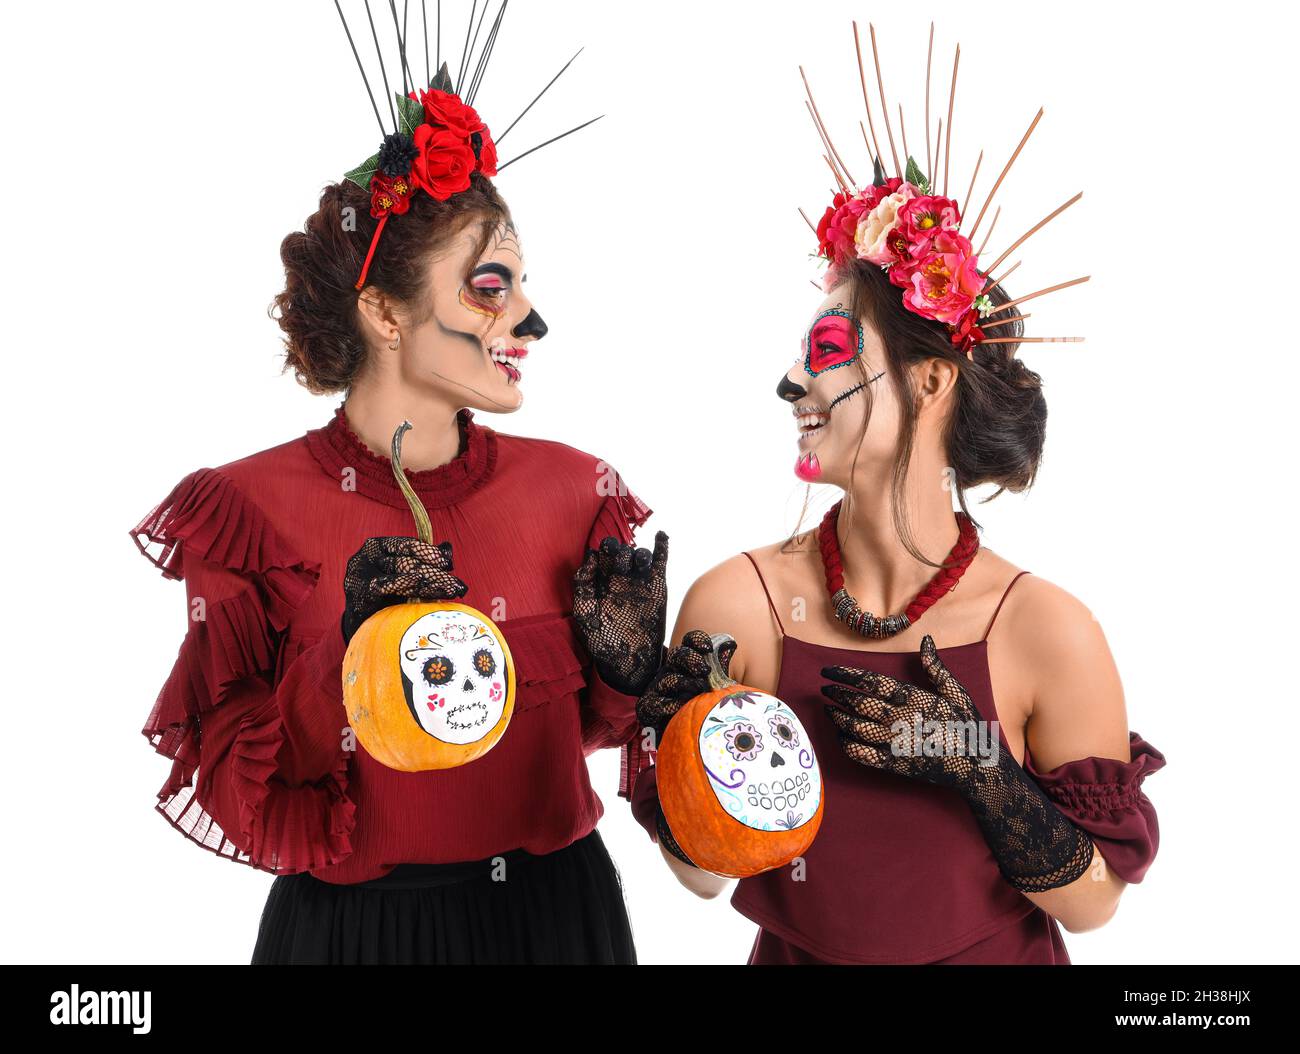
(282,829)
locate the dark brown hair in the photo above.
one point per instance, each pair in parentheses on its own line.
(317,309)
(998,423)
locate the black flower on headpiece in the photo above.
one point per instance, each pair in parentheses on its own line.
(396,155)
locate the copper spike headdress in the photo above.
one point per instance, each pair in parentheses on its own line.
(917,234)
(437,139)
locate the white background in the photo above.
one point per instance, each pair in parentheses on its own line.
(156,154)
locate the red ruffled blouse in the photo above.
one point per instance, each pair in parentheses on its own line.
(263,768)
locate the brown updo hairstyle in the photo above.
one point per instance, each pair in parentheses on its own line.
(317,309)
(998,423)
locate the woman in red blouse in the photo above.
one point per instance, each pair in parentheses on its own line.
(286,551)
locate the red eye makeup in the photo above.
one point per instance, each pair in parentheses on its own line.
(834,339)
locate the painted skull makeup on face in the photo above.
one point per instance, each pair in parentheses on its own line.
(834,339)
(760,763)
(454,675)
(487,326)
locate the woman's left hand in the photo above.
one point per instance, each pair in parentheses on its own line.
(886,724)
(620,602)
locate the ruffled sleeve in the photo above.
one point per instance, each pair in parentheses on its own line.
(259,765)
(1105,797)
(609,716)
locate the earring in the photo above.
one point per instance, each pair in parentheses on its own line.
(396,341)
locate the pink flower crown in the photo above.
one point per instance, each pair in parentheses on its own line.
(901,225)
(913,235)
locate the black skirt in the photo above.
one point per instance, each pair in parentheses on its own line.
(562,907)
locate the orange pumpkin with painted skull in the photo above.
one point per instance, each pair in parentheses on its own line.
(738,780)
(427,685)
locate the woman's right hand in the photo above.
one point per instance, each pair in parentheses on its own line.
(683,675)
(392,570)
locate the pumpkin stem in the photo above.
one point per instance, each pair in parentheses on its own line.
(718,678)
(423,528)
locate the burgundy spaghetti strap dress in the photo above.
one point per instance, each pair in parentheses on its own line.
(899,872)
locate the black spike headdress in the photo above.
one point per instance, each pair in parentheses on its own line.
(435,140)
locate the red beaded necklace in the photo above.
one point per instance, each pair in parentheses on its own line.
(863,622)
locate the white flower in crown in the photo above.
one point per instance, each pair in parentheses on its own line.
(875,226)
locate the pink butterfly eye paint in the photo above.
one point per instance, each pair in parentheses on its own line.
(833,340)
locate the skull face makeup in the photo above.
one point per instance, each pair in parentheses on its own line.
(479,323)
(759,762)
(454,675)
(827,410)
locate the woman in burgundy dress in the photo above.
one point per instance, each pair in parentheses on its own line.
(286,552)
(981,785)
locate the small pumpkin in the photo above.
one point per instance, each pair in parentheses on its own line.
(427,685)
(738,781)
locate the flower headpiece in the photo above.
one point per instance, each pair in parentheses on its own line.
(437,139)
(916,235)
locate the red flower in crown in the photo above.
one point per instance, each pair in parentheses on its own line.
(967,333)
(487,155)
(837,225)
(444,162)
(874,195)
(445,109)
(923,217)
(944,283)
(389,194)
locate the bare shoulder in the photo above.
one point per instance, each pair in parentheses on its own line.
(727,595)
(729,598)
(1049,622)
(1059,649)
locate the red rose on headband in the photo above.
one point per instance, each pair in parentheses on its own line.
(443,108)
(487,155)
(444,162)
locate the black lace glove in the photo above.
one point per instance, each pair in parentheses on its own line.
(393,570)
(1036,847)
(620,602)
(683,675)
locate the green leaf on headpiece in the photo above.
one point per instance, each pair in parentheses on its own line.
(915,176)
(362,174)
(441,80)
(410,114)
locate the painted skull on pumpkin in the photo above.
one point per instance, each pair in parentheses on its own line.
(760,764)
(454,675)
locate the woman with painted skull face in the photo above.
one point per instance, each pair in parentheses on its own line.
(405,292)
(981,785)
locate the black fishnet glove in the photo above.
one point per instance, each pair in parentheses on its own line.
(392,570)
(683,675)
(1036,847)
(620,602)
